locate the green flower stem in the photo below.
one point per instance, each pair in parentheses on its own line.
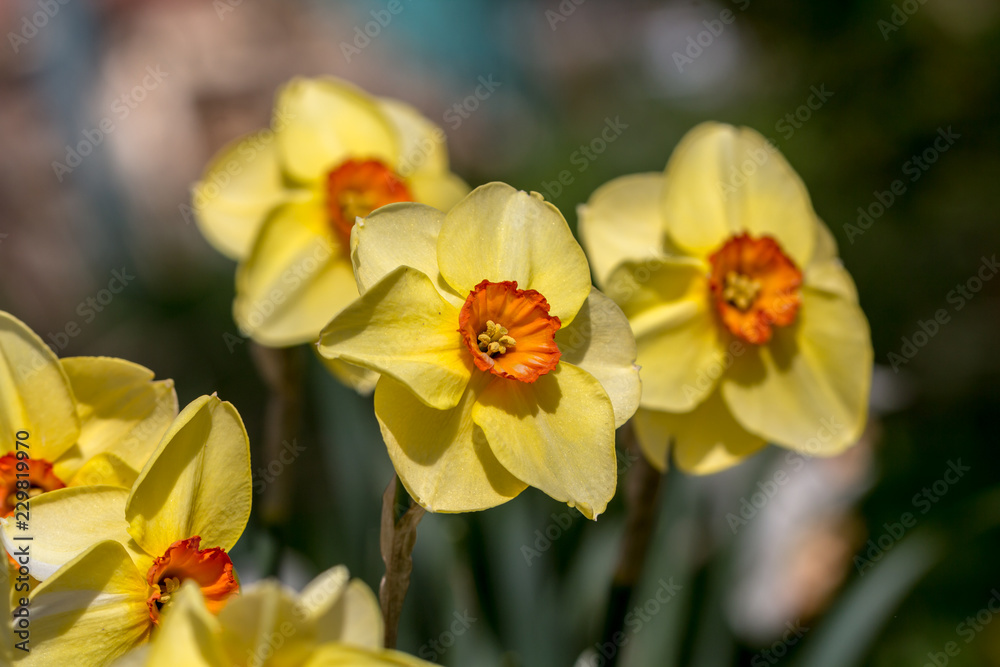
(400,516)
(282,371)
(642,490)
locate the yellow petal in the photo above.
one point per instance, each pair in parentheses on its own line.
(188,634)
(402,328)
(681,352)
(826,245)
(122,412)
(263,622)
(622,221)
(439,455)
(808,388)
(361,380)
(197,482)
(355,618)
(831,276)
(600,342)
(442,191)
(703,441)
(498,233)
(91,612)
(104,469)
(342,655)
(825,271)
(556,434)
(35,395)
(399,235)
(240,186)
(322,593)
(422,147)
(295,279)
(722,180)
(67,522)
(323,122)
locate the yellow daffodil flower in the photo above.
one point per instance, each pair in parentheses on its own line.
(73,422)
(111,560)
(501,366)
(283,201)
(333,622)
(748,326)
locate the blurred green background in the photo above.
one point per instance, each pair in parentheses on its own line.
(855,93)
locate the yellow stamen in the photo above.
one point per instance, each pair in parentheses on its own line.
(356,204)
(740,290)
(168,587)
(495,340)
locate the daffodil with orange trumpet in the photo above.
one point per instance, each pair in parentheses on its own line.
(747,324)
(501,367)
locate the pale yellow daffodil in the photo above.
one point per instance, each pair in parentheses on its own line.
(111,559)
(333,622)
(748,326)
(76,421)
(283,201)
(501,366)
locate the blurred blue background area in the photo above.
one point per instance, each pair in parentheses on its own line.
(109,111)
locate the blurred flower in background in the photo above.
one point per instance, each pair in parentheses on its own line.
(747,325)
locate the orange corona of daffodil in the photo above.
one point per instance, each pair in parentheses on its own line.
(111,560)
(283,201)
(501,366)
(73,422)
(747,324)
(333,622)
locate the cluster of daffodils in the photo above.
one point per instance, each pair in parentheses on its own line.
(495,365)
(283,201)
(118,517)
(494,362)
